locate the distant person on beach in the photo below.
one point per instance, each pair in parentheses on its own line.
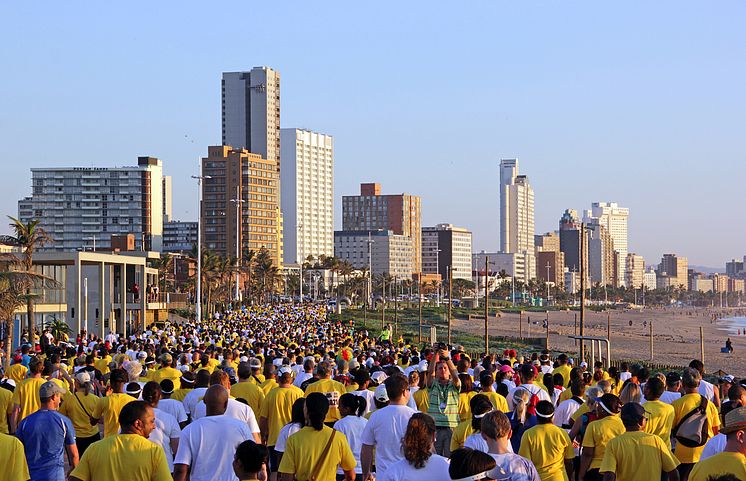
(729,345)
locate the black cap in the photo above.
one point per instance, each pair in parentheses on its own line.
(633,413)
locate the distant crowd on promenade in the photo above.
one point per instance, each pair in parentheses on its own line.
(282,392)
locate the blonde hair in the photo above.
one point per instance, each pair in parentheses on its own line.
(521,396)
(630,394)
(591,394)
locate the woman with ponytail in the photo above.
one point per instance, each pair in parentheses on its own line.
(352,408)
(480,405)
(520,418)
(419,461)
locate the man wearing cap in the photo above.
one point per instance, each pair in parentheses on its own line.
(276,410)
(329,388)
(110,406)
(733,458)
(690,401)
(46,436)
(247,390)
(6,404)
(256,375)
(26,394)
(637,455)
(167,372)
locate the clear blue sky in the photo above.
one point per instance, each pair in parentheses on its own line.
(642,103)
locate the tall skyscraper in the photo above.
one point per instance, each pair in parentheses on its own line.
(83,206)
(307,180)
(614,219)
(237,174)
(601,257)
(167,195)
(447,247)
(634,271)
(517,215)
(251,112)
(675,269)
(399,213)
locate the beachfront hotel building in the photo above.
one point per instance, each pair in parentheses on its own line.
(253,181)
(444,248)
(673,271)
(307,194)
(389,253)
(517,216)
(634,270)
(82,207)
(614,219)
(399,213)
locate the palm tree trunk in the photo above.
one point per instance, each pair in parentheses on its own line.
(30,315)
(8,343)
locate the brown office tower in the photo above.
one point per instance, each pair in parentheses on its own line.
(371,211)
(238,177)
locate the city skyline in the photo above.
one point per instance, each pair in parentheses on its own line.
(580,137)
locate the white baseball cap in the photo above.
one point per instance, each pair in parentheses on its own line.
(381,395)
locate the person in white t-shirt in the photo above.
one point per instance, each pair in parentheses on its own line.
(208,445)
(307,373)
(419,461)
(528,373)
(496,432)
(167,432)
(706,389)
(235,409)
(297,421)
(386,428)
(362,378)
(673,388)
(172,406)
(202,381)
(352,424)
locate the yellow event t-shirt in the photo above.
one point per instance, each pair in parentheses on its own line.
(17,372)
(304,449)
(498,401)
(598,434)
(332,390)
(422,399)
(168,373)
(683,406)
(277,408)
(565,371)
(6,408)
(464,408)
(72,409)
(462,431)
(638,456)
(660,421)
(26,396)
(547,446)
(14,459)
(722,463)
(581,410)
(123,457)
(109,407)
(250,392)
(180,394)
(268,385)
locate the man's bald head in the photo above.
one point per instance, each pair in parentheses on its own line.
(216,400)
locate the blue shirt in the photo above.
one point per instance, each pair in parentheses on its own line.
(44,435)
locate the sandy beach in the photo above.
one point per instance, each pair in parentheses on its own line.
(675,334)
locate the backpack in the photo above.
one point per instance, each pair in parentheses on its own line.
(693,428)
(532,402)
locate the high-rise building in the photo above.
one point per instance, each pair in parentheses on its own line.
(674,267)
(634,271)
(389,253)
(83,206)
(601,257)
(307,180)
(179,236)
(549,242)
(735,268)
(516,209)
(650,279)
(569,234)
(399,213)
(446,247)
(251,112)
(167,195)
(614,219)
(550,267)
(237,174)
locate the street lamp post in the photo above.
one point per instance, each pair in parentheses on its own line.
(370,270)
(300,264)
(548,265)
(238,201)
(437,273)
(198,307)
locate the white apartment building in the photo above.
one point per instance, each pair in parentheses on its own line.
(307,194)
(447,247)
(517,266)
(83,206)
(517,218)
(650,279)
(389,253)
(251,112)
(634,271)
(614,219)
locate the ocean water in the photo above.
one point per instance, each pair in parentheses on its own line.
(732,325)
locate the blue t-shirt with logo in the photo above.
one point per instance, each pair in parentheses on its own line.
(44,435)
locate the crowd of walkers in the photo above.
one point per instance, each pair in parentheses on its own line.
(283,393)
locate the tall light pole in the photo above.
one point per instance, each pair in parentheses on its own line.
(198,307)
(437,273)
(370,270)
(548,265)
(300,263)
(94,242)
(238,201)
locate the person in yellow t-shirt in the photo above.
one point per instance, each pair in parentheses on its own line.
(660,414)
(26,395)
(683,406)
(187,385)
(6,407)
(250,461)
(480,405)
(277,408)
(127,456)
(17,371)
(269,379)
(246,390)
(637,455)
(498,401)
(465,397)
(256,376)
(733,458)
(304,452)
(13,459)
(564,368)
(110,406)
(329,388)
(606,427)
(102,364)
(167,372)
(79,405)
(548,447)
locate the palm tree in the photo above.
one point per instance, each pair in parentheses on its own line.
(29,237)
(266,273)
(59,328)
(247,265)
